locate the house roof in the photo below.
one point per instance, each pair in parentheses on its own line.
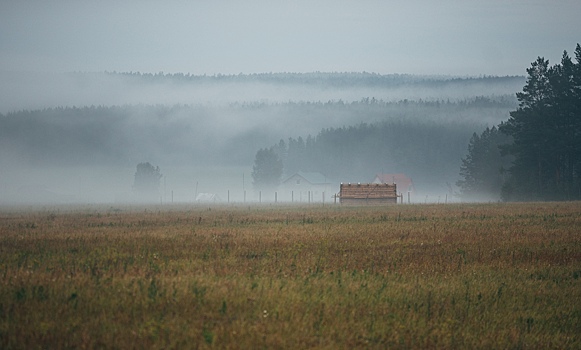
(312,178)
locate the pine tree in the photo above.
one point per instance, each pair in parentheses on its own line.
(547,133)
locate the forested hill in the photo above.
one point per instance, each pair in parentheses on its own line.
(392,123)
(31,91)
(335,79)
(207,134)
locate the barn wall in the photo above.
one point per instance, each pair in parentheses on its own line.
(368,194)
(372,201)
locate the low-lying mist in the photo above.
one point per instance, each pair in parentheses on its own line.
(77,138)
(36,90)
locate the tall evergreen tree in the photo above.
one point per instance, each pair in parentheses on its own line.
(546,129)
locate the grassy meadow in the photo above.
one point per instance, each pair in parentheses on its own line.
(181,277)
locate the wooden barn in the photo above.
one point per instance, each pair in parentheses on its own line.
(368,194)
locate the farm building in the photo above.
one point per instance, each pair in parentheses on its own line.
(208,198)
(367,194)
(306,187)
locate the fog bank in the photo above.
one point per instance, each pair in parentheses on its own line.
(33,90)
(78,137)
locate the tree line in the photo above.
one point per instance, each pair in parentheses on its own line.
(329,79)
(427,151)
(202,134)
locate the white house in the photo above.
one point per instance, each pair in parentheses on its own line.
(307,187)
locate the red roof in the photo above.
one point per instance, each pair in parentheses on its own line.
(404,183)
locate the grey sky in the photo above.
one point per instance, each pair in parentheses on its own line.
(495,37)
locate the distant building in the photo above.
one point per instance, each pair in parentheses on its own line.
(404,183)
(207,198)
(307,187)
(368,194)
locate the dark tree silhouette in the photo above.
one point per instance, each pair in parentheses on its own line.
(484,169)
(146,183)
(546,129)
(267,169)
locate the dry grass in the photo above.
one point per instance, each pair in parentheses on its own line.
(405,276)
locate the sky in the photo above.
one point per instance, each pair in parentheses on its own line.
(448,37)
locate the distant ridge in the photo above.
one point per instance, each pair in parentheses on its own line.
(317,78)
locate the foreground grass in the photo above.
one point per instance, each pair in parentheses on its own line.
(406,276)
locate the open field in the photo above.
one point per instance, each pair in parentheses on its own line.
(402,276)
